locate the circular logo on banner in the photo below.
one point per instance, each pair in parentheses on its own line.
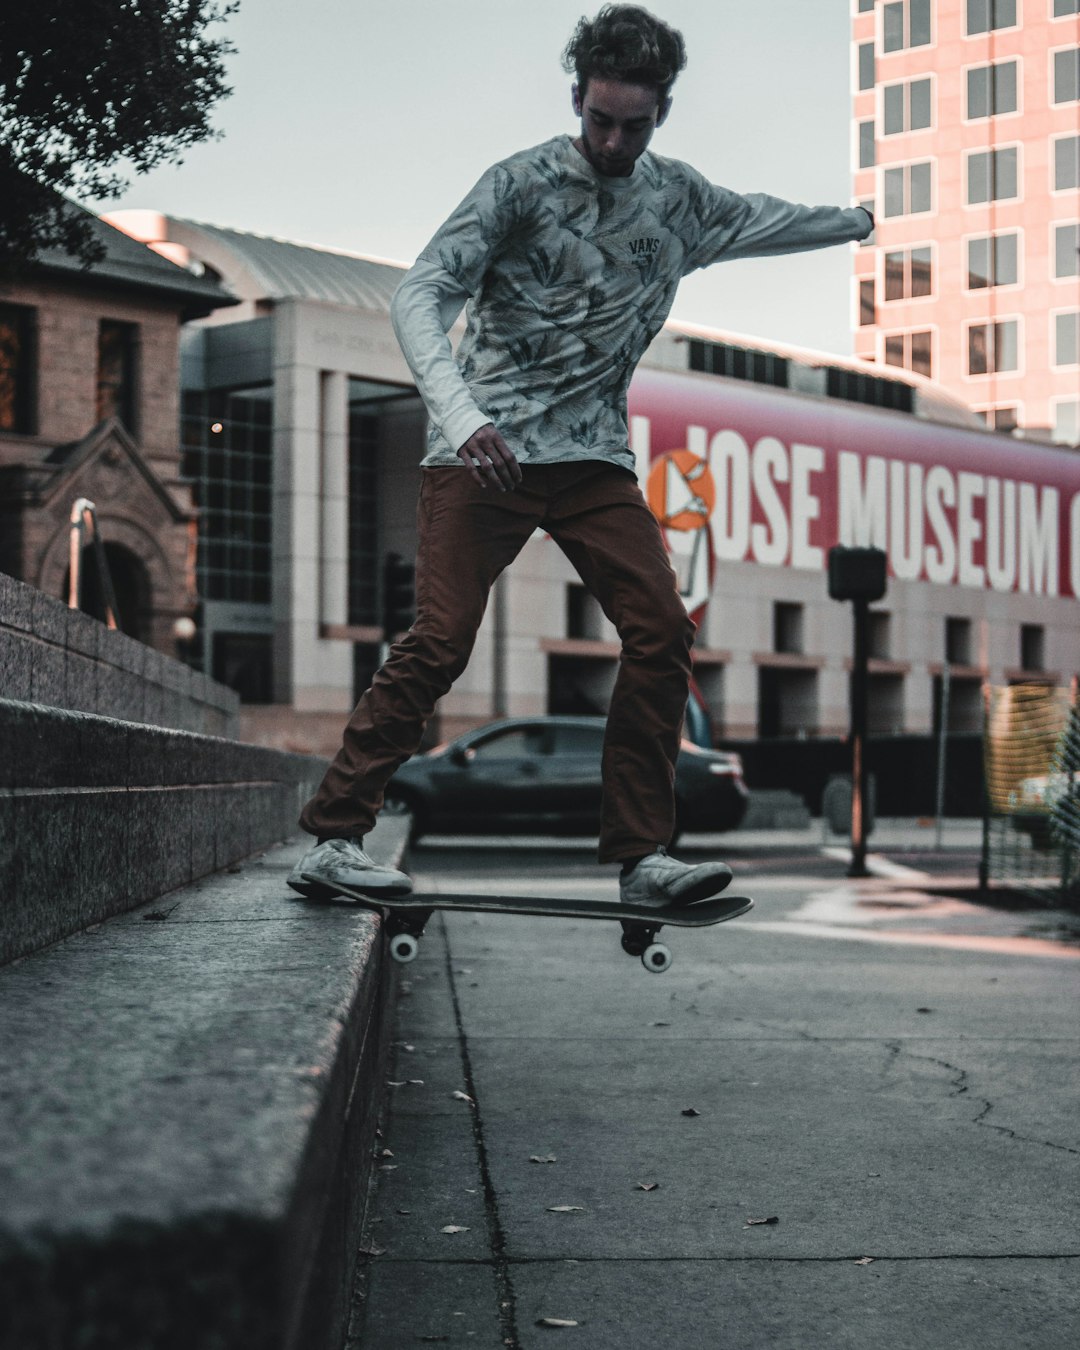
(681,491)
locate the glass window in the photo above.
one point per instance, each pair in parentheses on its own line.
(918,23)
(865,6)
(894,276)
(920,353)
(1004,418)
(1067,75)
(577,740)
(978,263)
(1031,646)
(16,369)
(894,349)
(958,642)
(1067,251)
(893,34)
(921,272)
(893,182)
(920,104)
(226,440)
(515,743)
(870,238)
(893,108)
(992,175)
(1067,163)
(991,89)
(984,15)
(867,72)
(1063,7)
(993,347)
(866,145)
(1067,421)
(1005,260)
(866,303)
(1067,339)
(787,627)
(920,188)
(116,372)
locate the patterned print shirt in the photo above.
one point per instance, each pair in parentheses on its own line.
(567,277)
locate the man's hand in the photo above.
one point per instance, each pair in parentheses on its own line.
(490,460)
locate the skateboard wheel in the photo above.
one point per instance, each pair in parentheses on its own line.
(656,958)
(404,948)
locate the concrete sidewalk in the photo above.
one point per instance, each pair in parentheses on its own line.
(571,1138)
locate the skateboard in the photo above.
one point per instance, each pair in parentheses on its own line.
(407,916)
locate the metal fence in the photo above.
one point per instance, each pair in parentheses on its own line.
(1031,840)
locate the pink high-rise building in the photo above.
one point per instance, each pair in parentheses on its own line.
(966,135)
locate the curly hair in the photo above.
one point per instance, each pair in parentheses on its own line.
(626,42)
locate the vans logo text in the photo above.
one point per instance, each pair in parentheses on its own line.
(641,248)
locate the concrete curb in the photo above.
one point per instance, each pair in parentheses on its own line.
(188,1101)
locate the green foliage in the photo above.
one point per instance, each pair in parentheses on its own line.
(91,91)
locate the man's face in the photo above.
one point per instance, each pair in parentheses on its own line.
(617,123)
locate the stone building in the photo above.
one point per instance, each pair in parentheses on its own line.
(89,407)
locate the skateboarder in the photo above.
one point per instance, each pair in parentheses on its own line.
(567,256)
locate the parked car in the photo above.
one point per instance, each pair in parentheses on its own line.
(543,773)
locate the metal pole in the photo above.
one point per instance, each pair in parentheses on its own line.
(943,732)
(859,692)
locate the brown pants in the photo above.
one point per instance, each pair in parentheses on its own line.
(467,534)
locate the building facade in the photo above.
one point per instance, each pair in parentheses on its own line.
(966,145)
(303,433)
(89,391)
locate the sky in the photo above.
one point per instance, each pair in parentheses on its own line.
(360,124)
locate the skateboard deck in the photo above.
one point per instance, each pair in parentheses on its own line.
(407,916)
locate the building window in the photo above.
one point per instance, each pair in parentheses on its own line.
(1065,7)
(1067,75)
(1066,413)
(991,89)
(17,374)
(870,238)
(853,386)
(1032,646)
(866,145)
(910,350)
(1066,163)
(787,628)
(1066,250)
(906,107)
(866,303)
(907,24)
(909,274)
(1067,338)
(738,363)
(116,372)
(365,605)
(907,190)
(985,15)
(1003,418)
(879,635)
(867,66)
(958,642)
(992,175)
(226,438)
(993,347)
(865,6)
(992,261)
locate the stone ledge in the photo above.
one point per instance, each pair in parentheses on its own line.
(99,815)
(187,1118)
(58,656)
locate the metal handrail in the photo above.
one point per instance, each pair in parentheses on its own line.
(84,515)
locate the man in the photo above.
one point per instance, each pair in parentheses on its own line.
(568,257)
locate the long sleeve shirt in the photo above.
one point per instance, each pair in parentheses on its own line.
(566,277)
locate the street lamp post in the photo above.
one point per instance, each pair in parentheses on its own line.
(858,575)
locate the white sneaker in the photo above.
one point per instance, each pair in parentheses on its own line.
(660,880)
(341,865)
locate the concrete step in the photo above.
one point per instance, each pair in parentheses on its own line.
(188,1096)
(98,815)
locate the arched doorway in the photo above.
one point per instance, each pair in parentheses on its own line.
(131,586)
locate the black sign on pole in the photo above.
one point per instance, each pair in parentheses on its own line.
(858,575)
